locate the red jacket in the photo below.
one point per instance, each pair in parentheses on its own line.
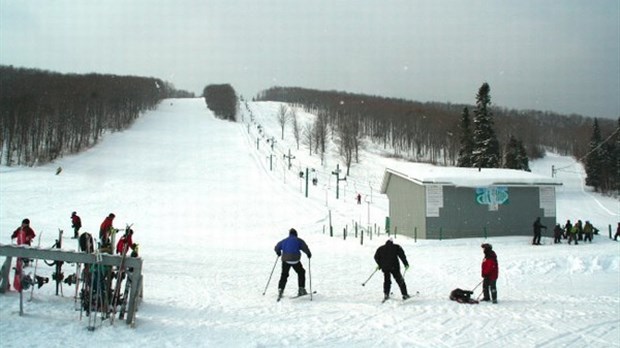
(490,269)
(27,238)
(126,239)
(104,230)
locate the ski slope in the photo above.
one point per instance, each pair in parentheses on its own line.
(208,205)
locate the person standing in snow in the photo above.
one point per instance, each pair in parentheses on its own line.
(24,233)
(572,235)
(290,250)
(557,234)
(105,230)
(538,226)
(126,239)
(617,232)
(386,258)
(588,231)
(490,273)
(567,229)
(76,223)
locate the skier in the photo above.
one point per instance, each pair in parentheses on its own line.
(76,223)
(386,258)
(104,230)
(538,226)
(617,232)
(290,249)
(490,272)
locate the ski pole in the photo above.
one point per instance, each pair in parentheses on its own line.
(373,273)
(274,267)
(474,289)
(310,277)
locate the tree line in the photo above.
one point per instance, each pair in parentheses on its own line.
(222,100)
(433,132)
(44,115)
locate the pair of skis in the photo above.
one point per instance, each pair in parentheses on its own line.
(294,297)
(417,293)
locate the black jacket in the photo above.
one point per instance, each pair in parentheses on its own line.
(387,256)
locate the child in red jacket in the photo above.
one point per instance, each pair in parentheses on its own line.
(490,272)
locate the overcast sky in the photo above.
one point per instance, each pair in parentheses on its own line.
(561,56)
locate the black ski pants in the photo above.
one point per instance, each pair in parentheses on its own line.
(536,240)
(387,281)
(489,285)
(301,274)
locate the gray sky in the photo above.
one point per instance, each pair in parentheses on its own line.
(561,56)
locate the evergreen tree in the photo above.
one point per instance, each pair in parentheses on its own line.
(467,141)
(516,156)
(486,146)
(595,158)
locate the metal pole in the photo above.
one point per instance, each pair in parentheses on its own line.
(373,273)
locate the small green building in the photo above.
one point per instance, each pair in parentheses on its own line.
(431,202)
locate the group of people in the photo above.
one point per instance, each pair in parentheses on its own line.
(388,258)
(24,234)
(573,232)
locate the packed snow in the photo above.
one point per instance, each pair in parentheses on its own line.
(209,199)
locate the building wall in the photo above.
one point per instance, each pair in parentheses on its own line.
(462,216)
(407,207)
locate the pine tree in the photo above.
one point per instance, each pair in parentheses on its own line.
(516,156)
(594,159)
(486,146)
(467,141)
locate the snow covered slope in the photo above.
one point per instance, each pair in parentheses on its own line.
(207,212)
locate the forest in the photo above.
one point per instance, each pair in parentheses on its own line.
(44,115)
(433,132)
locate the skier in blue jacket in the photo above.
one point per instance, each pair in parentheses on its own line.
(290,249)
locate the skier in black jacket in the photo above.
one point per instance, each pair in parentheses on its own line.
(387,257)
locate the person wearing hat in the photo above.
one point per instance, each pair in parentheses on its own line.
(76,223)
(387,257)
(24,233)
(490,272)
(290,250)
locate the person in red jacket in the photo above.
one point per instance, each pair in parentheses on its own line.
(76,223)
(490,272)
(104,230)
(28,233)
(126,239)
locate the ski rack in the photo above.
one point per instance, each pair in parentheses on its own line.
(73,256)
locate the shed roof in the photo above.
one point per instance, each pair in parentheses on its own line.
(427,174)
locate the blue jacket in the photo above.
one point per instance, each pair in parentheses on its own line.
(290,249)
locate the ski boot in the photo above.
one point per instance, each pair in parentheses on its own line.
(302,292)
(280,292)
(406,296)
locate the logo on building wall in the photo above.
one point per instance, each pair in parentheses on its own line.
(492,196)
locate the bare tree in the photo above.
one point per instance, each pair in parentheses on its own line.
(283,118)
(295,124)
(321,130)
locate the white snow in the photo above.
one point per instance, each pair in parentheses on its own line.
(207,212)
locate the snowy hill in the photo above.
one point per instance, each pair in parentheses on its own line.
(209,200)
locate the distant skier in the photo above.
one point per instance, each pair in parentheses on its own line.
(490,273)
(106,229)
(617,232)
(76,223)
(538,226)
(387,257)
(290,249)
